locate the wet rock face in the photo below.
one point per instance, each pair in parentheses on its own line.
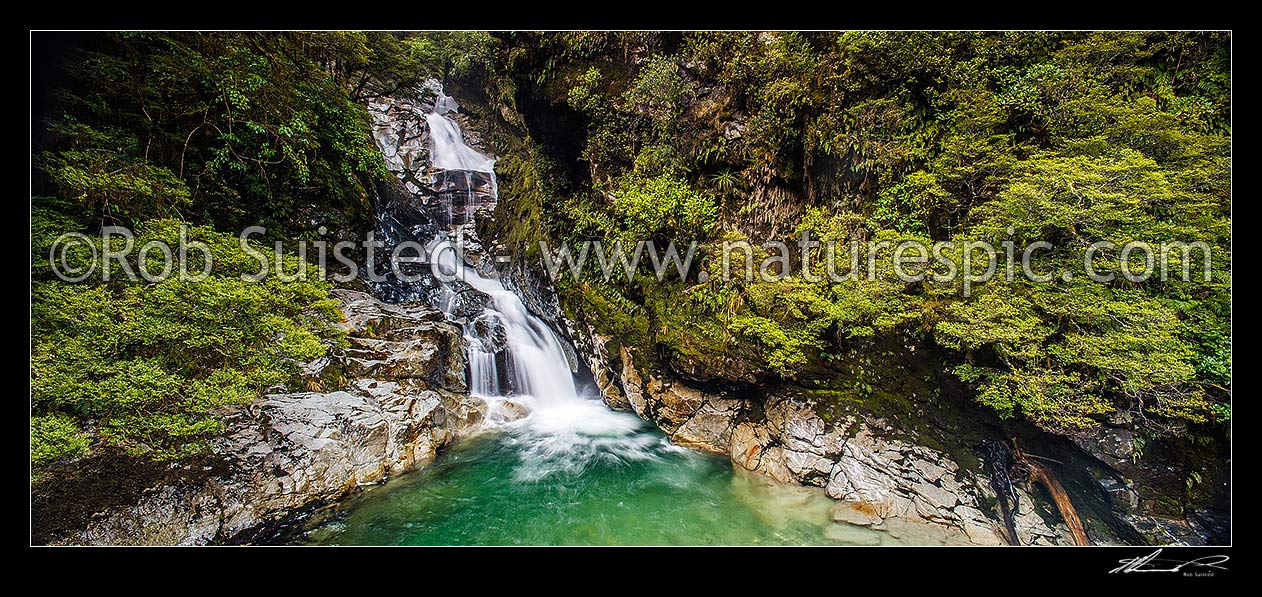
(1115,446)
(400,131)
(488,334)
(403,217)
(488,329)
(467,302)
(1120,493)
(402,402)
(538,294)
(704,370)
(461,195)
(600,356)
(401,341)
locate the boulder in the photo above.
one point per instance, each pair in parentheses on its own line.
(467,303)
(710,427)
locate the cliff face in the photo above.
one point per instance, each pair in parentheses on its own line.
(908,468)
(401,399)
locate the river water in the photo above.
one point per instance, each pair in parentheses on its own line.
(526,484)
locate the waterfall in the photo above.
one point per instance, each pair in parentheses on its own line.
(510,351)
(463,176)
(517,363)
(537,361)
(562,432)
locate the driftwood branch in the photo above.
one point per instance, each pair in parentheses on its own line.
(1040,474)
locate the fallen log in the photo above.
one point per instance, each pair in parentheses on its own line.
(1040,474)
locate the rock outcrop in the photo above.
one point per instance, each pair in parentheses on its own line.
(400,131)
(411,342)
(879,480)
(595,352)
(402,401)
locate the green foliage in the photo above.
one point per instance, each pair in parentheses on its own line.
(1124,341)
(663,207)
(659,92)
(787,349)
(231,129)
(220,130)
(145,366)
(906,206)
(725,182)
(55,437)
(116,185)
(584,96)
(449,54)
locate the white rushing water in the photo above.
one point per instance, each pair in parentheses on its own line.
(539,366)
(563,430)
(449,150)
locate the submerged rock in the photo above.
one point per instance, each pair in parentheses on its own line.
(849,534)
(857,513)
(506,411)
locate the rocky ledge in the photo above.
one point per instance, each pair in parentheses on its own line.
(400,399)
(880,481)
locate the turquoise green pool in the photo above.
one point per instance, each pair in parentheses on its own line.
(611,481)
